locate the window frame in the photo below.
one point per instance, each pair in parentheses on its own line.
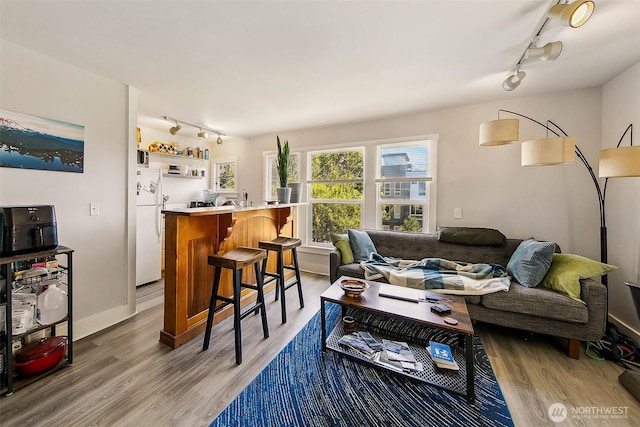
(361,202)
(428,223)
(214,175)
(269,178)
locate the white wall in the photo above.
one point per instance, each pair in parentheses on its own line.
(35,84)
(557,203)
(621,106)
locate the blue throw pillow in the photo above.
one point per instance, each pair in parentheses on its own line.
(531,261)
(361,245)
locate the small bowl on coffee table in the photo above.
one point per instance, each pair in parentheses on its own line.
(353,288)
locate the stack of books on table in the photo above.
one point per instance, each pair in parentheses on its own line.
(442,356)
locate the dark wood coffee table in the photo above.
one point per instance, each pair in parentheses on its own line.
(415,312)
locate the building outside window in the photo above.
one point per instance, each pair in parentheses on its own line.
(404,167)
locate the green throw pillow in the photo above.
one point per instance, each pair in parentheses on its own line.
(361,244)
(341,241)
(567,270)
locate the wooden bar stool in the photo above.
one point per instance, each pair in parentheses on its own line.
(280,245)
(236,260)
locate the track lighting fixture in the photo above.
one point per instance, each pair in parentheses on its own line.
(174,129)
(549,52)
(513,80)
(572,14)
(203,129)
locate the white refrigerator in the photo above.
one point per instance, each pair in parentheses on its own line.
(148,225)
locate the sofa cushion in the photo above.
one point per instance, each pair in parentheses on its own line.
(472,236)
(539,302)
(341,241)
(361,244)
(567,270)
(530,262)
(351,270)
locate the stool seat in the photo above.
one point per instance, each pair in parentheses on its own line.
(236,260)
(279,245)
(239,257)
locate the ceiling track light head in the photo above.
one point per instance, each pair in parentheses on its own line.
(574,14)
(204,131)
(219,140)
(513,80)
(174,129)
(549,52)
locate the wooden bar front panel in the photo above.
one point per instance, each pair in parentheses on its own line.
(190,239)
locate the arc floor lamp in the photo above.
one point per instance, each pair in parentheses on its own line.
(562,149)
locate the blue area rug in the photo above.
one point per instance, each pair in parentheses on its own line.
(301,387)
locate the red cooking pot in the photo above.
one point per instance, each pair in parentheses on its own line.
(40,355)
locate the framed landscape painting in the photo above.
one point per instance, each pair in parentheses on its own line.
(30,142)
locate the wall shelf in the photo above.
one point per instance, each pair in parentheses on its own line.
(171,175)
(163,156)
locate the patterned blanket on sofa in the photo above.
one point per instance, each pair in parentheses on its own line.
(438,275)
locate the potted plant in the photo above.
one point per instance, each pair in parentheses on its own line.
(282,166)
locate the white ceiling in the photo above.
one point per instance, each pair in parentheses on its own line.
(248,68)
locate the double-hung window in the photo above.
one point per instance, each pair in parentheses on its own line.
(336,197)
(403,177)
(272,180)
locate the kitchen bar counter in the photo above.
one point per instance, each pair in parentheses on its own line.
(191,235)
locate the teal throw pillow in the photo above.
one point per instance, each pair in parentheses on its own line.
(361,244)
(530,262)
(341,241)
(567,270)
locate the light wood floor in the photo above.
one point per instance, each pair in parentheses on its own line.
(124,377)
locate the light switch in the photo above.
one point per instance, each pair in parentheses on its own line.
(457,213)
(94,208)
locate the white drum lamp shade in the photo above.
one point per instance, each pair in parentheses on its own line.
(620,162)
(499,132)
(548,151)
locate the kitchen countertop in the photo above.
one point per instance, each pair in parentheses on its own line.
(225,209)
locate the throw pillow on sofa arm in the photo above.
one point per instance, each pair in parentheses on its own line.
(341,241)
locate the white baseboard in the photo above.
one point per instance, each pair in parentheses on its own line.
(92,324)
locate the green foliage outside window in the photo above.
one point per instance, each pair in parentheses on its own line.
(336,217)
(411,224)
(227,176)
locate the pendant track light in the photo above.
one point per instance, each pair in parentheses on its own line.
(203,129)
(549,52)
(572,14)
(174,129)
(513,80)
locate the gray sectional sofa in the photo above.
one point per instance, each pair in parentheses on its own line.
(538,309)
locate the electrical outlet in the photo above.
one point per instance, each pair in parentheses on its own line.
(94,209)
(457,213)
